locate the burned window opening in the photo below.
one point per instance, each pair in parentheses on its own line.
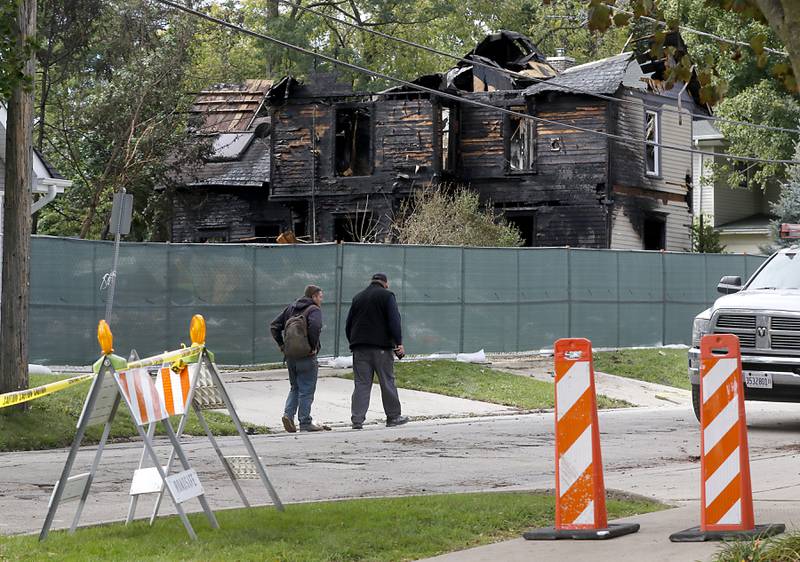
(654,232)
(353,141)
(448,132)
(526,224)
(212,235)
(355,227)
(521,142)
(267,232)
(652,151)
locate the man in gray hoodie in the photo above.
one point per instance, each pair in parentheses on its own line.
(302,371)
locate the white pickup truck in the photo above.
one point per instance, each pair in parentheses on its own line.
(765,315)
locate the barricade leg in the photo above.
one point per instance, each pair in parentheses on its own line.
(726,495)
(580,491)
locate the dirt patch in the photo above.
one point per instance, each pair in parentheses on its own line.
(412,441)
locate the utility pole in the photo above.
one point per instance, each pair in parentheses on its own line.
(17,213)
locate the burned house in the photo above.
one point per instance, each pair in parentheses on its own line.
(560,150)
(224,196)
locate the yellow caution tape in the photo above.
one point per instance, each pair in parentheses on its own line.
(21,396)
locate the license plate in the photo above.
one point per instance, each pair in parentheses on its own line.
(757,379)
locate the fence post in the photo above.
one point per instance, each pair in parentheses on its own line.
(253,306)
(339,269)
(463,303)
(569,293)
(519,302)
(663,298)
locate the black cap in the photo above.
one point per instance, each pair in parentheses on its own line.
(380,277)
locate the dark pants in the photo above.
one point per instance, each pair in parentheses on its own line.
(367,361)
(303,381)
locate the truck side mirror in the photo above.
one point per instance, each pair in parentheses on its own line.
(729,284)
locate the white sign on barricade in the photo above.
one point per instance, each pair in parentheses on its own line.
(185,485)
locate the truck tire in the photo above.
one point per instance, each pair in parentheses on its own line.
(696,400)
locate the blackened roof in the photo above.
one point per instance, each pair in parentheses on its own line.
(250,170)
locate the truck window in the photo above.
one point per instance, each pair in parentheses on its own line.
(780,272)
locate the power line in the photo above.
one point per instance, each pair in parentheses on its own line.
(507,72)
(456,98)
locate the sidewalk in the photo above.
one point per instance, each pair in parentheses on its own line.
(651,543)
(260,396)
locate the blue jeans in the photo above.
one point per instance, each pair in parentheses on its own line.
(303,381)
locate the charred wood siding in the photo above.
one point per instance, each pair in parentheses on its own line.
(402,148)
(233,211)
(570,176)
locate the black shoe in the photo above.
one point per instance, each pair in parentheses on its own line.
(397,420)
(357,425)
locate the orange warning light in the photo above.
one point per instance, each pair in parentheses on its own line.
(197,330)
(104,337)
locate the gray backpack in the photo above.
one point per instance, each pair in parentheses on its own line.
(295,336)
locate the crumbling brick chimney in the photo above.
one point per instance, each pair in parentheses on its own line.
(561,61)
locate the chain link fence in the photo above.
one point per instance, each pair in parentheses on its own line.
(451,299)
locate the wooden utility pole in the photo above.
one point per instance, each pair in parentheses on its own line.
(17,214)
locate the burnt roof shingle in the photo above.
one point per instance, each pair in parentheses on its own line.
(597,77)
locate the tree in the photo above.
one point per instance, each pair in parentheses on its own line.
(17,209)
(441,217)
(782,17)
(787,208)
(705,238)
(113,121)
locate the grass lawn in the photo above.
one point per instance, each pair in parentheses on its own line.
(478,382)
(782,548)
(662,366)
(390,529)
(50,422)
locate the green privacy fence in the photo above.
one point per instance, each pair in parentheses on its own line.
(451,299)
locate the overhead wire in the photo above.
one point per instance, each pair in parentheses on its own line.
(514,74)
(459,99)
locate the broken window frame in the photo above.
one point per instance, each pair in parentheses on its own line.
(652,164)
(355,108)
(655,217)
(514,124)
(447,135)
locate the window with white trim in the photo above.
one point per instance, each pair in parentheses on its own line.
(652,152)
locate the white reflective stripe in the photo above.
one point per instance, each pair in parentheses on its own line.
(575,461)
(717,429)
(733,517)
(723,476)
(571,387)
(148,392)
(718,374)
(586,517)
(130,377)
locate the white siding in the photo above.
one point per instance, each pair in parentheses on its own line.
(703,194)
(744,243)
(734,203)
(623,236)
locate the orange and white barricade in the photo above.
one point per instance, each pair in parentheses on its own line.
(726,495)
(580,491)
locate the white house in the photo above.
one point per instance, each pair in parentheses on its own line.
(740,214)
(48,184)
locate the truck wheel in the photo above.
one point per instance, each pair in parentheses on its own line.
(696,400)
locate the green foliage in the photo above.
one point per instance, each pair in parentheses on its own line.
(787,207)
(477,382)
(705,238)
(50,421)
(118,118)
(441,217)
(762,103)
(12,57)
(661,366)
(385,529)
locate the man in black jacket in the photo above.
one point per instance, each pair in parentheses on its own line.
(303,371)
(374,330)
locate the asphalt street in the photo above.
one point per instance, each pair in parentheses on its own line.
(653,452)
